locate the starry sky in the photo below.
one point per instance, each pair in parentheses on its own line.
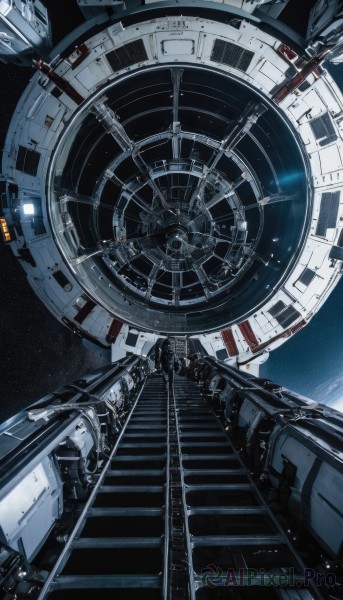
(38,354)
(311,362)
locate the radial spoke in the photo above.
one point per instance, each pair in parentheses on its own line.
(107,117)
(130,259)
(143,167)
(276,198)
(176,75)
(219,197)
(109,120)
(152,280)
(267,262)
(197,197)
(69,196)
(138,238)
(103,248)
(140,202)
(248,118)
(201,275)
(176,284)
(134,196)
(218,238)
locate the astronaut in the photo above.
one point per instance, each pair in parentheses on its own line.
(167,361)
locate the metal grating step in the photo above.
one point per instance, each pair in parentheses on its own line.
(226,522)
(173,507)
(121,539)
(107,582)
(117,542)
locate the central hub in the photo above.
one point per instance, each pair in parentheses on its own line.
(176,238)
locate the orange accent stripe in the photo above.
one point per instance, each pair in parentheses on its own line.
(298,326)
(114,331)
(229,342)
(84,311)
(285,334)
(249,335)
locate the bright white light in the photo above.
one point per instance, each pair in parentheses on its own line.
(28,209)
(241,225)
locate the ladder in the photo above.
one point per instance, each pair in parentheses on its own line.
(234,543)
(175,515)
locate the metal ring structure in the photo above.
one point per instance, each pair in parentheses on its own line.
(176,196)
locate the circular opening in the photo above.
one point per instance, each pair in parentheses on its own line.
(180,199)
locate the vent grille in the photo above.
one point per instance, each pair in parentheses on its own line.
(127,55)
(27,161)
(231,54)
(323,129)
(328,212)
(306,277)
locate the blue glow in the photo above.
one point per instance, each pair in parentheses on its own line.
(291,178)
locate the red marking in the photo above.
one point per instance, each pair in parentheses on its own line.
(78,55)
(296,327)
(249,335)
(299,78)
(286,52)
(84,311)
(284,334)
(59,81)
(114,331)
(229,342)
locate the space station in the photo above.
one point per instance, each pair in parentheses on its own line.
(171,185)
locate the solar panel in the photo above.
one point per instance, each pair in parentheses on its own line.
(328,212)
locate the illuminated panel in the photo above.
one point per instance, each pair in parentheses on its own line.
(4,230)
